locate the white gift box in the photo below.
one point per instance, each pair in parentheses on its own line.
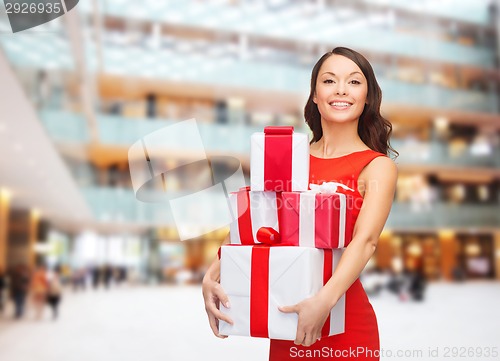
(279,160)
(251,211)
(292,275)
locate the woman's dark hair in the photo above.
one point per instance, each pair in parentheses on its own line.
(373,129)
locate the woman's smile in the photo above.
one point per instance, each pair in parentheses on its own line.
(340,105)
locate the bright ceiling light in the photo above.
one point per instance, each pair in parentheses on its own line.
(35,213)
(5,194)
(441,123)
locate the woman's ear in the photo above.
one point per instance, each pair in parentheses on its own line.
(314,99)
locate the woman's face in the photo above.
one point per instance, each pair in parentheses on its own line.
(341,90)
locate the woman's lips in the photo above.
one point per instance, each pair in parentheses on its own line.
(340,105)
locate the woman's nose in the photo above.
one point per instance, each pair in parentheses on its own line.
(340,90)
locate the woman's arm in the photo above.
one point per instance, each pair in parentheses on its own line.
(213,294)
(381,175)
(380,179)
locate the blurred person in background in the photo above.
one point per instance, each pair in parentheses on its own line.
(120,275)
(79,279)
(54,292)
(3,286)
(458,273)
(107,275)
(19,287)
(350,145)
(43,89)
(123,274)
(116,275)
(373,280)
(95,274)
(417,285)
(39,289)
(66,274)
(404,279)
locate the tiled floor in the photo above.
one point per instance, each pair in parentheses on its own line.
(169,323)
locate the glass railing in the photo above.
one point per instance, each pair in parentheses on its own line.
(49,50)
(437,153)
(257,75)
(295,23)
(216,137)
(120,205)
(432,96)
(52,50)
(110,205)
(209,12)
(285,78)
(114,130)
(235,139)
(65,126)
(405,215)
(471,11)
(262,76)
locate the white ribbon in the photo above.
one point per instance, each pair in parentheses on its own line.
(307,219)
(328,187)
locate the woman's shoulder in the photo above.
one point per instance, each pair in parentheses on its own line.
(381,167)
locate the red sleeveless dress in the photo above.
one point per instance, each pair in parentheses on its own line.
(360,341)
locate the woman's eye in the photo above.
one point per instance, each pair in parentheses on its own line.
(355,82)
(328,81)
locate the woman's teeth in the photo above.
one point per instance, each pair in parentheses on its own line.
(340,104)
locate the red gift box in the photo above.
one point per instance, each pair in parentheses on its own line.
(317,220)
(279,160)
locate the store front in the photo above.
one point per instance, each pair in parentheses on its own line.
(439,255)
(475,256)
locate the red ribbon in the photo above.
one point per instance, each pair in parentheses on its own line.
(278,147)
(259,292)
(327,274)
(268,235)
(245,220)
(244,216)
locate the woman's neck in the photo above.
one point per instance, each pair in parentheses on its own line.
(339,139)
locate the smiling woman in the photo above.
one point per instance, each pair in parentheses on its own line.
(350,145)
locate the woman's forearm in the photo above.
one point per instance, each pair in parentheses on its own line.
(352,262)
(213,272)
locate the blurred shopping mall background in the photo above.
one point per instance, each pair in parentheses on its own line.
(77,92)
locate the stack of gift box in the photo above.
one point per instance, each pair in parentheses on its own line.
(286,239)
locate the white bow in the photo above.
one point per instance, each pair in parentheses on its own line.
(328,187)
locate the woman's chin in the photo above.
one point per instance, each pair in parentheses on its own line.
(345,119)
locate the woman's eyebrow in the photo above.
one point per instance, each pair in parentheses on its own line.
(329,72)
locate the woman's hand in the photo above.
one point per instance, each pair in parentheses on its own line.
(213,294)
(313,313)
